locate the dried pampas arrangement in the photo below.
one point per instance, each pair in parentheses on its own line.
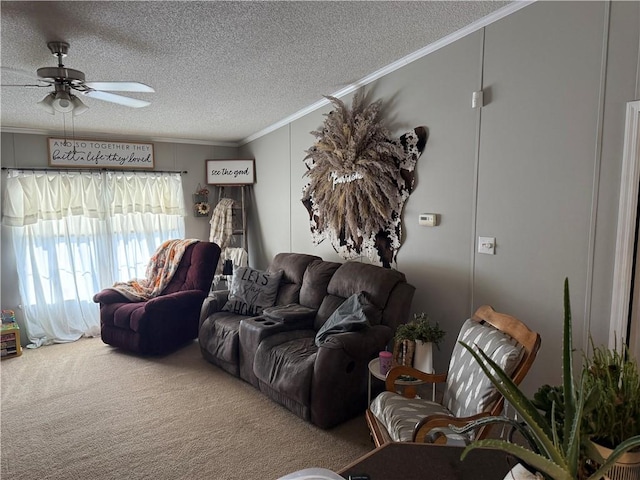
(359,179)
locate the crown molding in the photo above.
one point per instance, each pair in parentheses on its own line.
(392,67)
(117,136)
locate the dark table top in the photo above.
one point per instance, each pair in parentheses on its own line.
(419,461)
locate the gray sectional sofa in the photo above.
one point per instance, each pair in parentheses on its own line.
(279,351)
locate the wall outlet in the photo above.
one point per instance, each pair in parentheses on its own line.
(428,219)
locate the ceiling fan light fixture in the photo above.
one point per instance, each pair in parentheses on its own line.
(62,102)
(65,80)
(78,107)
(47,103)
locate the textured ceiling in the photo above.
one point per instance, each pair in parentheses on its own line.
(223,71)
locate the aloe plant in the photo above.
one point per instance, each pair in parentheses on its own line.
(557,450)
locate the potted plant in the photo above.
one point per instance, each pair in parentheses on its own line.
(559,446)
(614,378)
(612,412)
(416,339)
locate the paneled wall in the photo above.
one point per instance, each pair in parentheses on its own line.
(538,167)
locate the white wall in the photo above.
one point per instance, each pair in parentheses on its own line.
(537,161)
(538,168)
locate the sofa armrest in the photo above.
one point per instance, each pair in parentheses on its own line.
(174,301)
(362,344)
(405,370)
(291,313)
(109,295)
(213,303)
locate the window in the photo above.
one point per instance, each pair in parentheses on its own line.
(75,233)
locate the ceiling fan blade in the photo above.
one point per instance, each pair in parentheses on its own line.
(113,98)
(120,86)
(17,73)
(23,85)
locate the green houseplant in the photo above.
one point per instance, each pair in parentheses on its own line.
(614,415)
(421,329)
(415,339)
(559,446)
(611,413)
(615,380)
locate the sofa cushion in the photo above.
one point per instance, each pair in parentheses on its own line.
(293,266)
(353,277)
(196,268)
(128,315)
(252,290)
(400,414)
(315,282)
(354,314)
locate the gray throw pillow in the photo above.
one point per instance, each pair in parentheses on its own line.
(353,314)
(252,290)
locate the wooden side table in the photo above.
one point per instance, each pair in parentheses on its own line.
(408,386)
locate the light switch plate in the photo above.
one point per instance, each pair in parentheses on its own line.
(487,245)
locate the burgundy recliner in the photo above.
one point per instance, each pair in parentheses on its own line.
(164,323)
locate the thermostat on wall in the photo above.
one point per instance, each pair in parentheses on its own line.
(428,219)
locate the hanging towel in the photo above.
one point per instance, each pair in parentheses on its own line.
(222,223)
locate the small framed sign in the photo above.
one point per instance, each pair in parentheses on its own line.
(99,154)
(230,172)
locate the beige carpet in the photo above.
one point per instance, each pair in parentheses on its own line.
(88,411)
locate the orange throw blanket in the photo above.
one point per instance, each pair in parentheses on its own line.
(162,265)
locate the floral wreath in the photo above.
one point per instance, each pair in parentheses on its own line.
(202,208)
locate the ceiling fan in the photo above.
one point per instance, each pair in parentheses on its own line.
(67,83)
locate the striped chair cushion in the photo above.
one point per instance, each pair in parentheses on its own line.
(399,414)
(469,391)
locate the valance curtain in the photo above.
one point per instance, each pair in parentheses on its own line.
(74,233)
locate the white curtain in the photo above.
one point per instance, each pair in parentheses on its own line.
(75,233)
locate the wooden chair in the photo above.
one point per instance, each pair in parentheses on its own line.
(468,393)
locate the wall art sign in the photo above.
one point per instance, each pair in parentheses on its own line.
(230,172)
(82,153)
